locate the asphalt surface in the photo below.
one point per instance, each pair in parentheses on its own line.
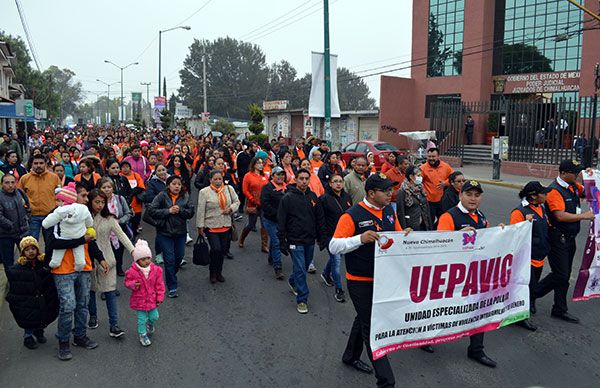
(246,333)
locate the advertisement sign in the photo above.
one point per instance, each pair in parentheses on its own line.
(275,105)
(436,287)
(588,280)
(136,97)
(552,82)
(160,103)
(316,104)
(182,111)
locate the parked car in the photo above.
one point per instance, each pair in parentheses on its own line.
(380,150)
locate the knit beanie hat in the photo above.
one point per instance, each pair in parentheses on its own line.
(262,154)
(67,194)
(26,242)
(141,250)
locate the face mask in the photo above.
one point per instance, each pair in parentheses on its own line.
(418,180)
(434,164)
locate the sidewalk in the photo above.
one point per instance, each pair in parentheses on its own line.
(483,173)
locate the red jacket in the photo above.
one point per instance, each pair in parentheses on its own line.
(151,292)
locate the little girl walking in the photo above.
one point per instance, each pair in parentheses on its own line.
(145,280)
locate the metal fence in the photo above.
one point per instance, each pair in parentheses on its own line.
(539,131)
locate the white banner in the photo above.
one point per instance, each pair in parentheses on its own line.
(436,287)
(316,105)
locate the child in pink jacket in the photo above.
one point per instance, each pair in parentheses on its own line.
(145,280)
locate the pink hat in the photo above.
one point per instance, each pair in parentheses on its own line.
(141,250)
(67,194)
(143,143)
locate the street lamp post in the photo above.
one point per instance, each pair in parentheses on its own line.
(107,117)
(160,49)
(122,112)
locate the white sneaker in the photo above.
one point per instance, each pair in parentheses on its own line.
(188,239)
(144,340)
(312,268)
(183,262)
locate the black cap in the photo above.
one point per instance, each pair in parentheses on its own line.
(378,182)
(533,188)
(472,185)
(572,166)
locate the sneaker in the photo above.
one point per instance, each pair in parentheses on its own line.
(158,259)
(339,295)
(30,343)
(302,308)
(144,340)
(116,332)
(183,262)
(327,279)
(64,351)
(279,274)
(139,229)
(117,293)
(93,321)
(294,291)
(173,294)
(312,268)
(228,256)
(238,217)
(84,342)
(39,336)
(188,239)
(103,296)
(150,328)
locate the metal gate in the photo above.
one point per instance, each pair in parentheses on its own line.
(539,131)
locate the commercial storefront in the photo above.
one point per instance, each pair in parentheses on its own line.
(466,51)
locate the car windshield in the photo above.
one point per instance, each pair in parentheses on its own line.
(384,147)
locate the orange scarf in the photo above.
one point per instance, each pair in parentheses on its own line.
(221,193)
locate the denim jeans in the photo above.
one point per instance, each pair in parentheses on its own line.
(7,251)
(302,256)
(173,251)
(111,307)
(333,269)
(73,294)
(274,251)
(35,224)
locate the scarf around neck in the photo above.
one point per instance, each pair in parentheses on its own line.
(221,193)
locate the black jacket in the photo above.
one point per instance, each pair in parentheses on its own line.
(122,187)
(449,199)
(326,170)
(269,201)
(171,225)
(15,213)
(417,216)
(300,219)
(243,163)
(333,207)
(153,187)
(199,181)
(32,296)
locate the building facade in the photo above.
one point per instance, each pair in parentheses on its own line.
(490,50)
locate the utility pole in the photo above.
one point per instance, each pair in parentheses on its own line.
(160,49)
(107,121)
(122,116)
(204,77)
(590,144)
(327,63)
(147,85)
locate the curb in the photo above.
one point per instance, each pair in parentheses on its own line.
(500,183)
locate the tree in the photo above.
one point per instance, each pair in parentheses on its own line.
(65,86)
(521,58)
(236,76)
(223,126)
(282,81)
(256,115)
(436,54)
(353,92)
(165,118)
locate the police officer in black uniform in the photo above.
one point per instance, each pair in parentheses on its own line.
(532,209)
(467,216)
(564,210)
(355,236)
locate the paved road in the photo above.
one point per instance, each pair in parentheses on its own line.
(247,333)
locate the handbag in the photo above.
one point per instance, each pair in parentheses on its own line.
(201,255)
(251,210)
(149,220)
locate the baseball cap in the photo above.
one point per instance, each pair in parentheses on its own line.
(277,170)
(472,185)
(534,187)
(378,182)
(572,166)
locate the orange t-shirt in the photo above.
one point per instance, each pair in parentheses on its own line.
(432,176)
(173,198)
(314,165)
(67,266)
(135,180)
(395,175)
(447,223)
(345,228)
(556,202)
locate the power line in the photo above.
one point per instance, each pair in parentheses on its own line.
(194,14)
(250,33)
(28,35)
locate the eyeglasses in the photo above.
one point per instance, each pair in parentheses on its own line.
(459,181)
(386,191)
